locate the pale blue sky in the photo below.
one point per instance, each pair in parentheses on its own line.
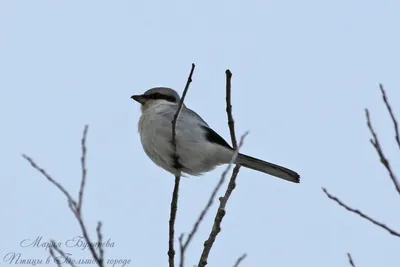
(303,72)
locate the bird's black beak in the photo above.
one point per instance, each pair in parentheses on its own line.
(139,98)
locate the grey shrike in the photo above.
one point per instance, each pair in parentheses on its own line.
(199,148)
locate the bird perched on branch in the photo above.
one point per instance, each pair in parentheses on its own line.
(199,148)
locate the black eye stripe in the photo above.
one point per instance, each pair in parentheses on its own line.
(161,96)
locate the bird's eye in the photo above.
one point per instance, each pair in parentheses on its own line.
(162,96)
(154,96)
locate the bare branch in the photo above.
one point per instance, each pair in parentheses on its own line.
(182,251)
(239,260)
(83,167)
(395,124)
(231,122)
(361,214)
(221,181)
(375,142)
(54,248)
(184,245)
(174,121)
(76,207)
(350,260)
(92,250)
(232,182)
(174,207)
(100,241)
(98,258)
(53,256)
(175,194)
(221,209)
(71,202)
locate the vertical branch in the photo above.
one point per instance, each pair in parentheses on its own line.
(182,251)
(83,167)
(216,228)
(174,121)
(231,122)
(100,240)
(172,217)
(175,194)
(231,125)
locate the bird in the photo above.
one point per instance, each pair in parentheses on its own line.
(199,149)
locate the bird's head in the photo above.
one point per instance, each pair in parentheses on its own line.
(155,96)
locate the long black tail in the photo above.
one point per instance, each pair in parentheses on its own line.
(267,167)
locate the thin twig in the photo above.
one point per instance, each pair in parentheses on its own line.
(76,206)
(98,258)
(51,180)
(395,124)
(53,256)
(231,122)
(92,250)
(216,228)
(350,260)
(54,248)
(375,142)
(182,251)
(175,194)
(83,167)
(361,214)
(239,260)
(175,119)
(100,240)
